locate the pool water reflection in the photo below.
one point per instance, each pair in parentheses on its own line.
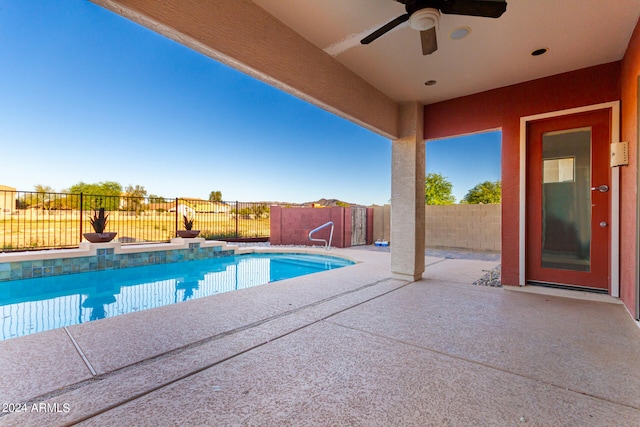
(35,305)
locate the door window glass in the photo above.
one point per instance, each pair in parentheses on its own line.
(566,200)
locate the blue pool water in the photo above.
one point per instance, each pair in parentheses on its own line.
(35,305)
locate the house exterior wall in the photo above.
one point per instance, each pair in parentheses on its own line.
(501,109)
(291,226)
(7,200)
(629,175)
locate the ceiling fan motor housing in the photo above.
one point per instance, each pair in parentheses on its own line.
(424,19)
(424,16)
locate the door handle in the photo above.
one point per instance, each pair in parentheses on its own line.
(602,188)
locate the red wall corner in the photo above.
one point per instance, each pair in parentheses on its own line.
(502,109)
(291,226)
(630,72)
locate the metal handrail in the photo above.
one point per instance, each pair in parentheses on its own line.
(327,245)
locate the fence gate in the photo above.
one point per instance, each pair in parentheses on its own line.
(358,226)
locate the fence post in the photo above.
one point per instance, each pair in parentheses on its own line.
(81,215)
(176,234)
(237,215)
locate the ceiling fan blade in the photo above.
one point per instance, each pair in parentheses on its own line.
(484,8)
(385,28)
(429,41)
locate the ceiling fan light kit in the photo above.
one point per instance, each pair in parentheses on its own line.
(424,19)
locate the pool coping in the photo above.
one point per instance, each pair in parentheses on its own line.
(294,250)
(89,249)
(107,251)
(114,255)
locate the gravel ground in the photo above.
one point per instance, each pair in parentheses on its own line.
(492,278)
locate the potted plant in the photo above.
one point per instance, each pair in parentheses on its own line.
(99,224)
(188,233)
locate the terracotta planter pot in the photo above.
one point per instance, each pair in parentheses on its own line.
(188,234)
(99,237)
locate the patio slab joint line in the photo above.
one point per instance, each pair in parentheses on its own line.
(484,364)
(436,262)
(195,344)
(139,395)
(81,353)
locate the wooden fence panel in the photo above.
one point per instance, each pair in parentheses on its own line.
(358,226)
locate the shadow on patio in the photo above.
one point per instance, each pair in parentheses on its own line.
(345,347)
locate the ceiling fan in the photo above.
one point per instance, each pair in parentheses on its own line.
(424,15)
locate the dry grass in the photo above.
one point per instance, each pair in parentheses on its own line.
(32,229)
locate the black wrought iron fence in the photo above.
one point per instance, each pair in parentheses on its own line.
(36,220)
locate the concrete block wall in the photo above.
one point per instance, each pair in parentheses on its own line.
(463,227)
(468,227)
(291,226)
(381,223)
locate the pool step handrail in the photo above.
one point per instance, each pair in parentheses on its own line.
(327,245)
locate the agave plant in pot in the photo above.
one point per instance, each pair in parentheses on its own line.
(99,224)
(188,233)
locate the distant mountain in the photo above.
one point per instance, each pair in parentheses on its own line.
(331,202)
(321,202)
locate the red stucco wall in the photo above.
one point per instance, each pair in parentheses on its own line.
(628,197)
(291,226)
(501,109)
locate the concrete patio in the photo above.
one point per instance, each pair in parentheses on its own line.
(345,347)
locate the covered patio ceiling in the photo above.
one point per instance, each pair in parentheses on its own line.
(496,53)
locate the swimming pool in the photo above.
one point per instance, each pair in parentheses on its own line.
(34,305)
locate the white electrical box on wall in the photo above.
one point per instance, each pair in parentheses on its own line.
(619,154)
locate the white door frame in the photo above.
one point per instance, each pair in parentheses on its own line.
(614,106)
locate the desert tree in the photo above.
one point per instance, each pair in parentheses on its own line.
(438,190)
(215,196)
(487,192)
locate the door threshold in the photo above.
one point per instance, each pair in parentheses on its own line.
(568,287)
(577,293)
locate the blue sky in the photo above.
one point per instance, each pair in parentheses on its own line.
(86,95)
(466,160)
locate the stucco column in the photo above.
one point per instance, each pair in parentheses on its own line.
(407,195)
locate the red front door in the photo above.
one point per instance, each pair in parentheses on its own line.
(568,200)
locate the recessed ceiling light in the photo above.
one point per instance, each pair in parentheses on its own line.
(539,52)
(430,82)
(459,33)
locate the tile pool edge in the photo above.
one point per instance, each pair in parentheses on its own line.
(110,256)
(106,256)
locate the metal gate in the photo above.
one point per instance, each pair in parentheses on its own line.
(358,226)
